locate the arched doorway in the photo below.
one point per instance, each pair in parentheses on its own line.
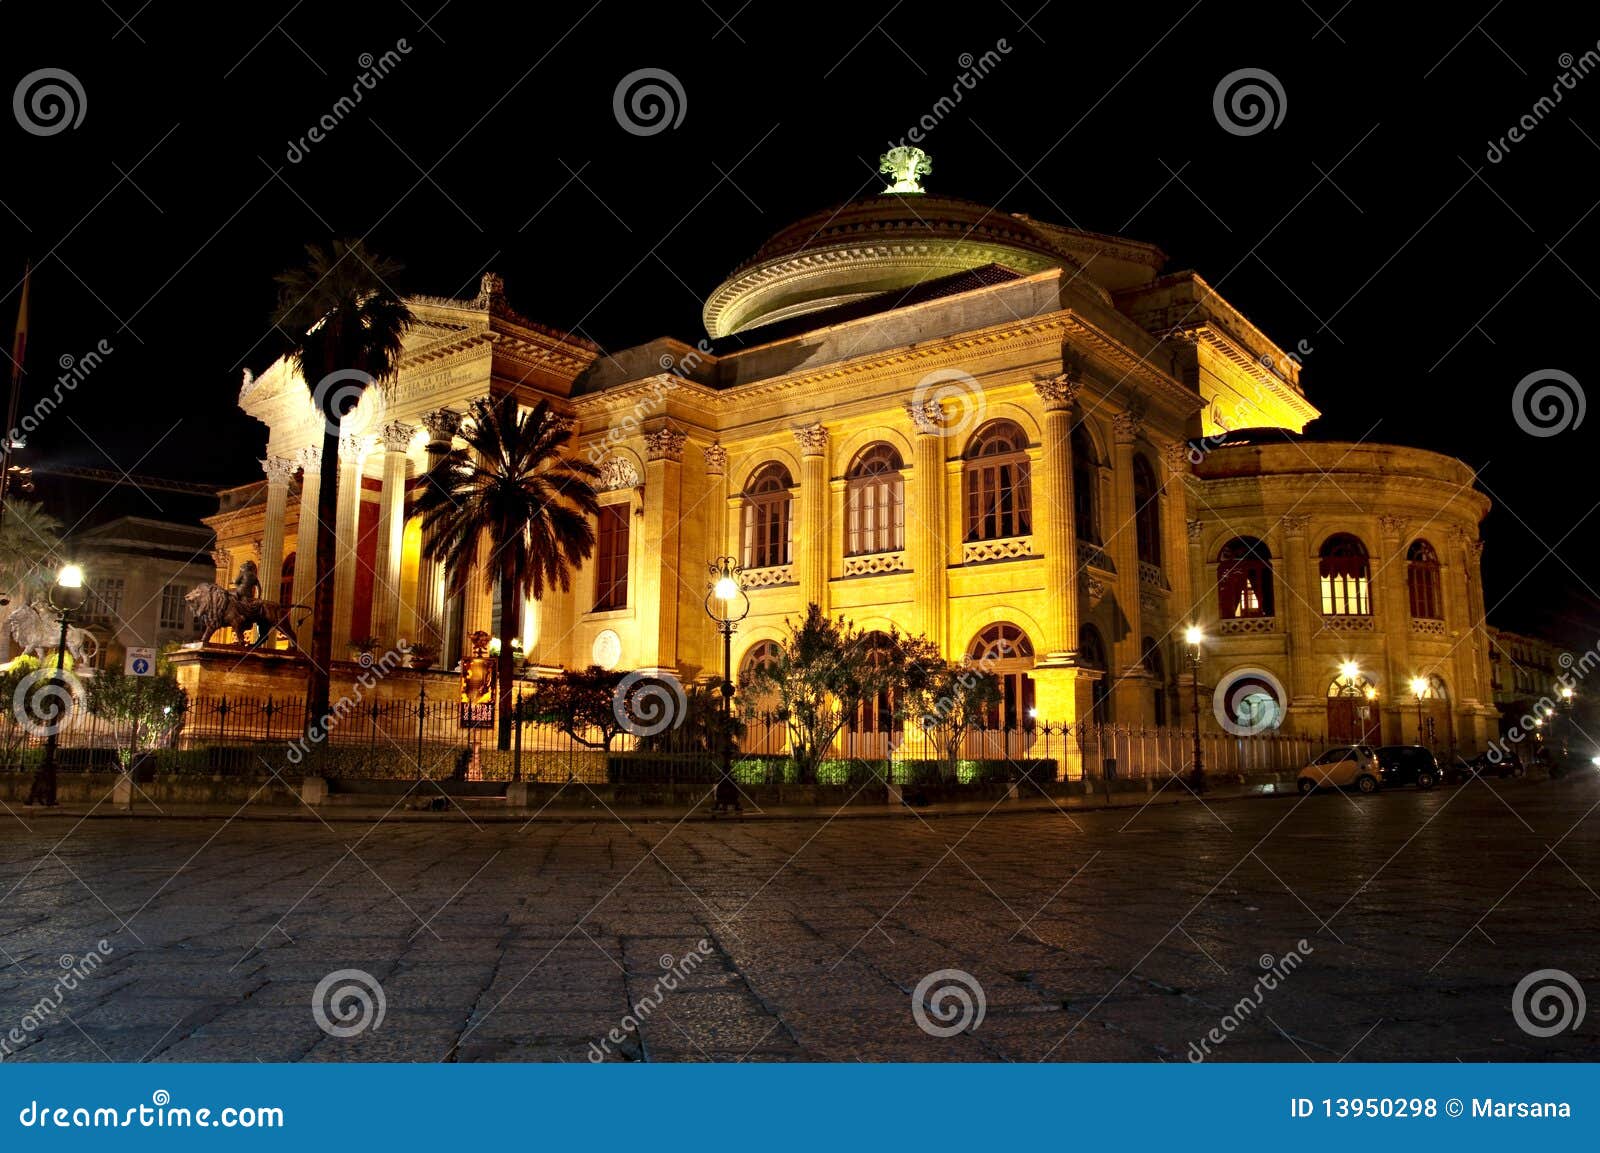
(1353,714)
(1005,650)
(763,732)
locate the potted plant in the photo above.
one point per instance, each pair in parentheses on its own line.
(365,647)
(423,655)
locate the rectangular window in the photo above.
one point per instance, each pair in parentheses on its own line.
(174,613)
(611,550)
(106,606)
(1345,596)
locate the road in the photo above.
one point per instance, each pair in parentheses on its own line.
(1393,927)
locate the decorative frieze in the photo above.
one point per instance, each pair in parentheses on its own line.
(617,472)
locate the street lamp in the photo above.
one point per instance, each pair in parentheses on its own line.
(727,605)
(1419,689)
(1193,636)
(66,597)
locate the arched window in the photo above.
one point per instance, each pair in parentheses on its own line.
(875,502)
(995,483)
(286,581)
(758,705)
(1146,511)
(1092,655)
(1085,488)
(767,499)
(1244,579)
(1157,668)
(1005,650)
(1422,581)
(1345,577)
(875,715)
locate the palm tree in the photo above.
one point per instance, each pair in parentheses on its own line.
(515,485)
(30,543)
(346,324)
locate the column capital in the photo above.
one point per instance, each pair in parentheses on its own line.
(1178,456)
(279,469)
(397,435)
(1196,529)
(1126,426)
(442,425)
(1295,524)
(927,415)
(716,458)
(1058,393)
(222,558)
(812,439)
(310,457)
(351,446)
(664,443)
(1391,526)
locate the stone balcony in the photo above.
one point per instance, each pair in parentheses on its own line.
(1006,548)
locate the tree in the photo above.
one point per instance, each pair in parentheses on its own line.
(152,708)
(579,702)
(955,699)
(823,672)
(346,324)
(29,544)
(514,486)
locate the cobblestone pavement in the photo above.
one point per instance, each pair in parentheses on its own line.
(1114,935)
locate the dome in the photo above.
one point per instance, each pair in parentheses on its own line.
(893,241)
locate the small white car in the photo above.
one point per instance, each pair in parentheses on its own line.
(1341,767)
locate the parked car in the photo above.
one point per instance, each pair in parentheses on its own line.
(1508,764)
(1408,765)
(1341,767)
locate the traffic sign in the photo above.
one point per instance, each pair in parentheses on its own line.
(141,663)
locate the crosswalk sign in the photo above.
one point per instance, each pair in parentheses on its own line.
(141,663)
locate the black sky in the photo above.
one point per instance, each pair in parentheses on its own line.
(1425,280)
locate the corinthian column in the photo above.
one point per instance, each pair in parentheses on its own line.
(1296,588)
(305,548)
(1054,528)
(441,425)
(812,538)
(1174,532)
(663,510)
(1128,654)
(388,613)
(345,522)
(279,470)
(926,539)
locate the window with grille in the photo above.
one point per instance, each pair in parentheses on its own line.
(767,502)
(875,502)
(1345,577)
(174,613)
(997,488)
(1422,581)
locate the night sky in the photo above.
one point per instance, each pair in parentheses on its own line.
(1425,280)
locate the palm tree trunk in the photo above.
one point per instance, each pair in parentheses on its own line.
(505,669)
(317,679)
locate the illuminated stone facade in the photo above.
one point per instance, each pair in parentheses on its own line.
(919,412)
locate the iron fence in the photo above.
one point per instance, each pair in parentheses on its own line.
(402,739)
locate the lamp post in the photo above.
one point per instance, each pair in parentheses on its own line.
(1419,689)
(727,605)
(1194,637)
(66,597)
